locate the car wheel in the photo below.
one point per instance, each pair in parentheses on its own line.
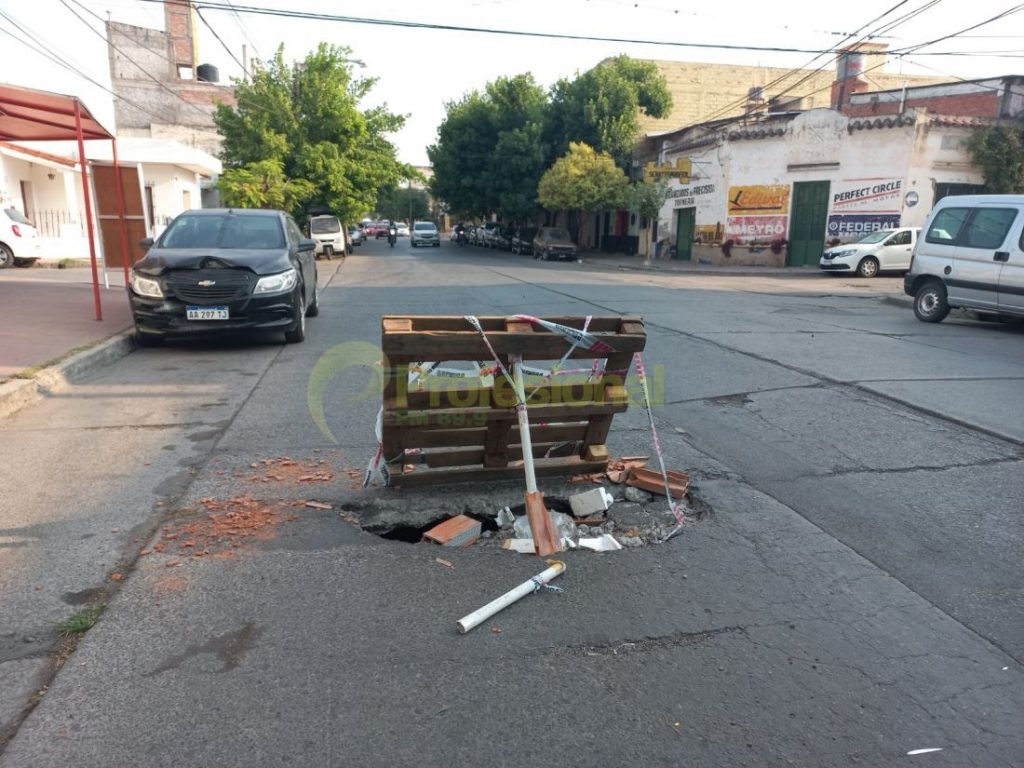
(329,252)
(298,333)
(314,308)
(868,267)
(6,256)
(930,303)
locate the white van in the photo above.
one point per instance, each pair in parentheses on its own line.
(971,255)
(328,234)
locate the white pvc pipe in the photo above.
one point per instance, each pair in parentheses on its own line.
(481,615)
(524,425)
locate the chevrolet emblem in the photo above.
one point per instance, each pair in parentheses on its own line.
(206,283)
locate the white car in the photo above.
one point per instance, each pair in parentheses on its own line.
(425,233)
(882,250)
(19,242)
(403,230)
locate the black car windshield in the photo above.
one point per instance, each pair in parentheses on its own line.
(225,231)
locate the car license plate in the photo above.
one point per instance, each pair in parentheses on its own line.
(206,313)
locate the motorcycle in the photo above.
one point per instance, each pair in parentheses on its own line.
(392,236)
(460,237)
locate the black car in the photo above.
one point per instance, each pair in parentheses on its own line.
(222,271)
(522,240)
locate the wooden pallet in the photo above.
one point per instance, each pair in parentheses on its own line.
(470,432)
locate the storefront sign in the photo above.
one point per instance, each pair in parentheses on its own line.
(867,195)
(686,197)
(743,229)
(855,225)
(682,170)
(759,200)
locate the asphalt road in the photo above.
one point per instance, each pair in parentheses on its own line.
(855,596)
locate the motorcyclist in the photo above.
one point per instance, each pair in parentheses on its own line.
(460,234)
(392,234)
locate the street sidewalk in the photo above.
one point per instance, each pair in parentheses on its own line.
(48,330)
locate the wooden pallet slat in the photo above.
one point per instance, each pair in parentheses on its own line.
(468,433)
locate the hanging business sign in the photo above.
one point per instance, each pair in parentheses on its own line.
(682,170)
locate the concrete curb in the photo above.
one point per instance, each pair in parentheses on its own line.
(719,271)
(20,393)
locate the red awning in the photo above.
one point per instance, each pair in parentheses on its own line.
(30,115)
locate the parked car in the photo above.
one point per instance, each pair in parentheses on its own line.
(216,271)
(355,236)
(554,243)
(522,240)
(382,228)
(19,244)
(403,230)
(970,255)
(329,236)
(882,250)
(488,233)
(501,238)
(472,234)
(425,233)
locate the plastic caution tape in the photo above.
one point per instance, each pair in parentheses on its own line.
(579,338)
(378,467)
(677,510)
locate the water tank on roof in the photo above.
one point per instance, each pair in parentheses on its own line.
(207,73)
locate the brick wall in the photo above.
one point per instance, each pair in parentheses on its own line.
(178,21)
(979,104)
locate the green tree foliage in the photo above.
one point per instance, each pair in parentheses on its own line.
(999,151)
(304,121)
(262,184)
(396,203)
(584,181)
(646,198)
(601,106)
(489,154)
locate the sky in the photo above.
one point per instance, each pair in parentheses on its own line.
(419,70)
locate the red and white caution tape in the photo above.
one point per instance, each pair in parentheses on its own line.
(378,467)
(579,338)
(677,510)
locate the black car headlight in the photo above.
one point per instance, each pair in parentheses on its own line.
(146,286)
(282,282)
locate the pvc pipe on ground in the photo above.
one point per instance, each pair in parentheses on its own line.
(480,615)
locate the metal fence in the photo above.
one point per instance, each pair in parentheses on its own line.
(48,223)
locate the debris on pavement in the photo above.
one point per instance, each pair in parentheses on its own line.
(458,531)
(228,525)
(927,751)
(541,580)
(590,502)
(654,482)
(604,543)
(287,470)
(317,505)
(522,546)
(445,563)
(505,518)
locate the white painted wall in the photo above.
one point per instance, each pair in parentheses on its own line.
(818,146)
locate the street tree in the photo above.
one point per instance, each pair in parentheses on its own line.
(396,203)
(583,181)
(306,120)
(489,155)
(646,198)
(602,106)
(999,151)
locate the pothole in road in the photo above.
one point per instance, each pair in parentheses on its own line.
(635,519)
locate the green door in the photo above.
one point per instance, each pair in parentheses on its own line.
(686,220)
(809,219)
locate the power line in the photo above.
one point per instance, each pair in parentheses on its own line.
(159,82)
(889,26)
(202,18)
(43,49)
(242,27)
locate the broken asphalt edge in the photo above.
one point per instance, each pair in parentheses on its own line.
(17,394)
